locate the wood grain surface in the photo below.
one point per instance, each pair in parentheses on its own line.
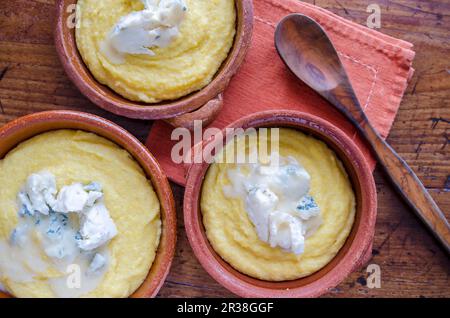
(412,263)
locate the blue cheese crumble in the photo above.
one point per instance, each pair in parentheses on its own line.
(277,201)
(136,33)
(57,229)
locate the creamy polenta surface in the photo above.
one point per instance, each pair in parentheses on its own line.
(233,235)
(76,156)
(187,65)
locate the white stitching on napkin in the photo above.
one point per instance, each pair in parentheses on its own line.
(354,60)
(369,67)
(265,21)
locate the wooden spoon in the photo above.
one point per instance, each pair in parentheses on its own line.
(308,52)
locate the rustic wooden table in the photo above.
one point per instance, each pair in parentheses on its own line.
(412,264)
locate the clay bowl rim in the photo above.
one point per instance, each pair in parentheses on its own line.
(106,98)
(24,128)
(357,248)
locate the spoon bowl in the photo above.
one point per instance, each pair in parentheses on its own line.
(304,60)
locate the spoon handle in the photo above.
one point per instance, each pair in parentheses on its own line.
(402,176)
(408,184)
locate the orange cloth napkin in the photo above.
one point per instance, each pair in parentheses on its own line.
(378,65)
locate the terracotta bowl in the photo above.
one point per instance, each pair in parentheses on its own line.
(26,127)
(356,250)
(204,104)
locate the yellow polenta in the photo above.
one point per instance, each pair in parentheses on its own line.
(75,156)
(187,65)
(234,238)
